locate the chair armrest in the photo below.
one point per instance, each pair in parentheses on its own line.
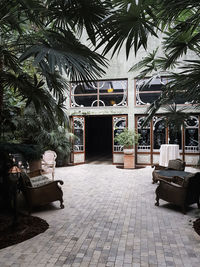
(51,183)
(178,180)
(172,183)
(158,167)
(44,194)
(35,173)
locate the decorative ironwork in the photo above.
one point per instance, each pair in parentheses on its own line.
(79,134)
(123,102)
(144,141)
(159,132)
(100,93)
(144,88)
(139,84)
(148,90)
(119,123)
(191,135)
(96,101)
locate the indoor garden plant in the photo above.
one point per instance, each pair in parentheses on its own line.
(128,139)
(30,153)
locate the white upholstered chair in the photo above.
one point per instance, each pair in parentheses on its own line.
(49,162)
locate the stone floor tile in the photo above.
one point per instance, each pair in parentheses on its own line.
(109,220)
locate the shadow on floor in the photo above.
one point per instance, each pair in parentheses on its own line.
(99,159)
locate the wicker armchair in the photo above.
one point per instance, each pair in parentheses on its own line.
(49,162)
(175,164)
(181,191)
(38,190)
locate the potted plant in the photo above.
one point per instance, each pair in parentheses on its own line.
(33,154)
(128,139)
(29,153)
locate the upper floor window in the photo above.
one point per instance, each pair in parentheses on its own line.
(99,93)
(148,90)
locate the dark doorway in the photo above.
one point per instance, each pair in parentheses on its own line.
(98,138)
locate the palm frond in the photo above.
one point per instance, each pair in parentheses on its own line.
(176,116)
(171,10)
(178,43)
(10,60)
(149,64)
(131,26)
(13,14)
(55,82)
(9,16)
(65,52)
(78,15)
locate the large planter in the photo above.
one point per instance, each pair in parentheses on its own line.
(128,151)
(35,165)
(129,158)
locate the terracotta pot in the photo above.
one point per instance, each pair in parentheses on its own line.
(35,165)
(129,158)
(128,151)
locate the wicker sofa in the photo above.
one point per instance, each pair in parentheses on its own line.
(38,190)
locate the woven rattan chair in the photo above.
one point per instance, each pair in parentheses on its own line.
(49,162)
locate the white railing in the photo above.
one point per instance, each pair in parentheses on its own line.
(118,148)
(191,149)
(144,148)
(78,148)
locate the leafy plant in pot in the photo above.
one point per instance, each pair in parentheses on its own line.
(30,153)
(33,154)
(128,139)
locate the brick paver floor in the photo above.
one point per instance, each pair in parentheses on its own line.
(109,220)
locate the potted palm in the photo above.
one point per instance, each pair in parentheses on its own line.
(29,153)
(33,154)
(128,139)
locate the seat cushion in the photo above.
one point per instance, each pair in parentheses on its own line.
(176,164)
(39,180)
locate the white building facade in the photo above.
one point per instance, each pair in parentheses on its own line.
(100,109)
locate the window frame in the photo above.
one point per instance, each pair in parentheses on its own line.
(99,94)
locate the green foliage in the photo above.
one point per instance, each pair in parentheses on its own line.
(176,117)
(38,41)
(29,151)
(23,124)
(41,39)
(179,21)
(130,23)
(127,138)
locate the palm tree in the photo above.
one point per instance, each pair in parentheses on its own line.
(132,22)
(46,34)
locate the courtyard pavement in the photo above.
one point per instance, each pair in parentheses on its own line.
(109,220)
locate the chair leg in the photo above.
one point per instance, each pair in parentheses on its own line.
(61,204)
(154,178)
(157,201)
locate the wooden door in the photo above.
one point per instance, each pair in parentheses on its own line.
(119,123)
(78,154)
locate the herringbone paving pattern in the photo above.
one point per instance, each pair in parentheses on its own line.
(109,220)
